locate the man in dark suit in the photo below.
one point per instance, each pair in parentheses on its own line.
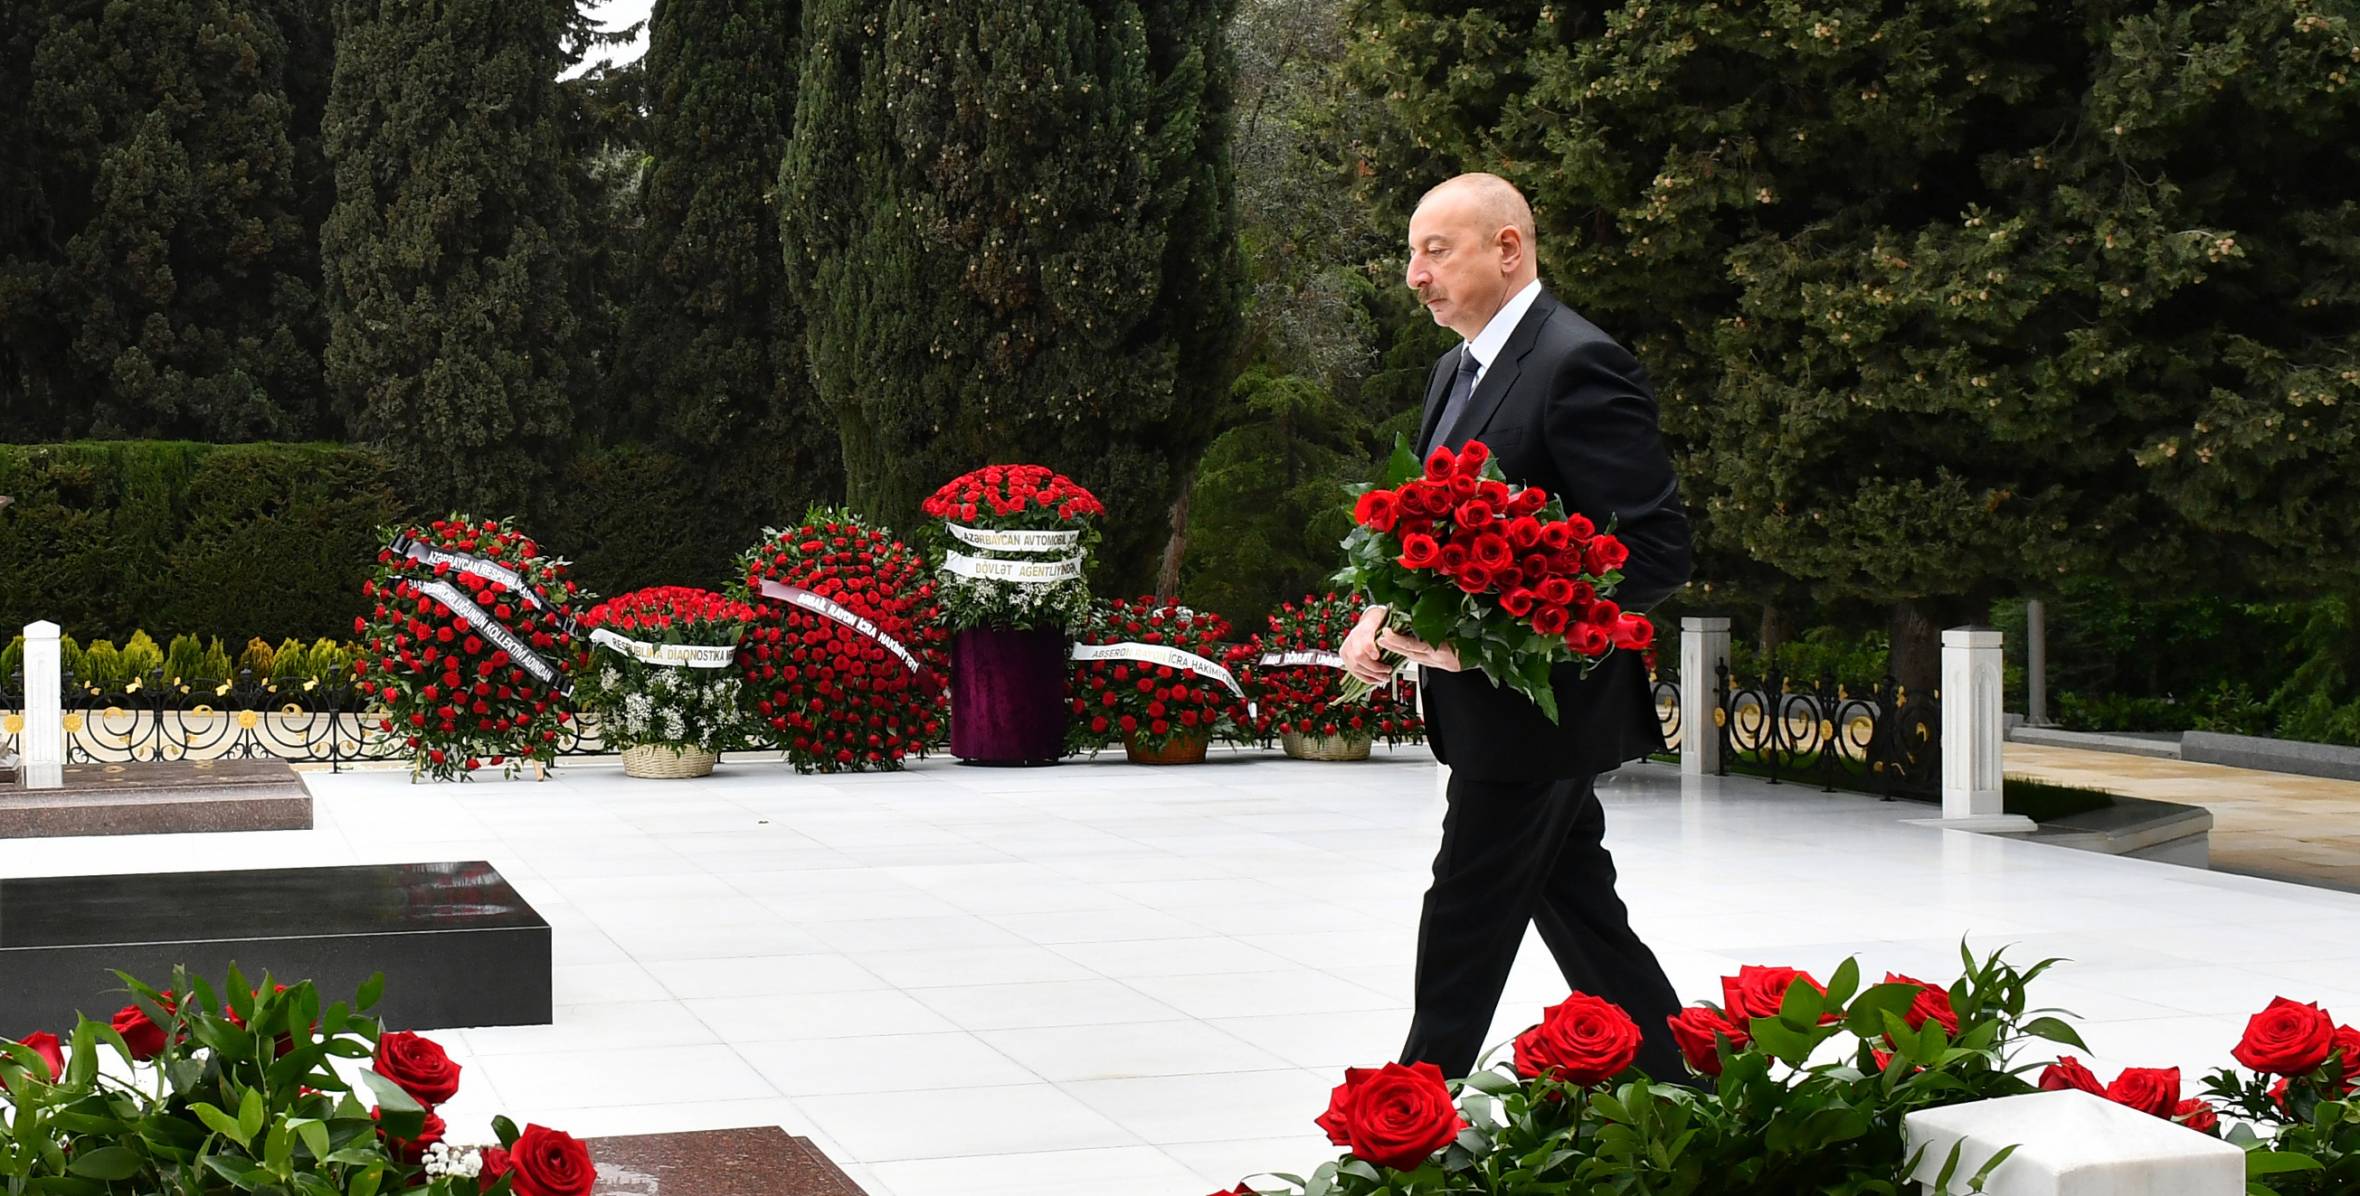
(1565,408)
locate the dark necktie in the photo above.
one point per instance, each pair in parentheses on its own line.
(1461,387)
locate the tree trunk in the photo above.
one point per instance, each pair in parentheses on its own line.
(1917,646)
(1167,575)
(1772,630)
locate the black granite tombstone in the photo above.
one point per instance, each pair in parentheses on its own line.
(457,944)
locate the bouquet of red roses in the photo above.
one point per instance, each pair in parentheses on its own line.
(1292,673)
(1012,545)
(468,646)
(844,662)
(1148,676)
(1501,573)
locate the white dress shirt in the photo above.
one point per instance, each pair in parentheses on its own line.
(1494,337)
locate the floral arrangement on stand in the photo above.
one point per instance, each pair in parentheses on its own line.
(171,1096)
(663,678)
(1012,548)
(1012,543)
(1147,676)
(1804,1087)
(470,646)
(844,663)
(1502,573)
(1293,675)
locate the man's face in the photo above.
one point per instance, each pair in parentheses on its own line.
(1456,265)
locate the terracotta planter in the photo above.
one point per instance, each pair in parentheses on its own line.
(1008,696)
(1178,750)
(1323,747)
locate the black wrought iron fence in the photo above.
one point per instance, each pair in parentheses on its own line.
(299,720)
(1885,738)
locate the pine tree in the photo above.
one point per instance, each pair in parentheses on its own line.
(1009,228)
(714,366)
(1944,302)
(453,340)
(154,278)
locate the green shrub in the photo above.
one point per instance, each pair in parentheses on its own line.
(12,661)
(184,661)
(257,657)
(141,656)
(102,665)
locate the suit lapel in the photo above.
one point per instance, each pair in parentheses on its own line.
(1437,389)
(1501,374)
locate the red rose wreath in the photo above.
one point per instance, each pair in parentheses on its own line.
(1292,673)
(468,646)
(1150,702)
(845,664)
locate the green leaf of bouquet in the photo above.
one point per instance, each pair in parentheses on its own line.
(1802,1005)
(1842,984)
(1867,1015)
(2275,1162)
(109,1163)
(401,1113)
(238,1172)
(313,1133)
(250,1114)
(221,1123)
(82,1066)
(226,1041)
(1790,1046)
(1361,1169)
(371,989)
(1403,464)
(2055,1031)
(312,1185)
(505,1130)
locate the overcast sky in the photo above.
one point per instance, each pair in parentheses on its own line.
(616,13)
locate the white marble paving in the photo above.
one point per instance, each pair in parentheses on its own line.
(1099,978)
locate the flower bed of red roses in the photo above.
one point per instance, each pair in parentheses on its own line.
(1458,521)
(1301,698)
(1008,491)
(835,700)
(1117,701)
(671,615)
(1398,1118)
(456,700)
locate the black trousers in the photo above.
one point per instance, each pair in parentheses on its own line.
(1516,853)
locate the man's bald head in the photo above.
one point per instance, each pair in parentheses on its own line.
(1487,198)
(1470,250)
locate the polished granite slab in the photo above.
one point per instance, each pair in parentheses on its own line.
(765,1161)
(457,943)
(169,797)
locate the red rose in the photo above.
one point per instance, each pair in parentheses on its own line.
(2069,1072)
(2153,1090)
(1578,527)
(1239,1190)
(1604,555)
(1517,601)
(1633,633)
(1587,639)
(2278,1092)
(1524,531)
(143,1036)
(1454,557)
(1758,991)
(1550,620)
(1492,551)
(419,1065)
(1472,455)
(552,1163)
(411,1150)
(1474,514)
(496,1163)
(1932,1004)
(1378,509)
(1697,1029)
(1583,1040)
(1419,551)
(2197,1115)
(1474,579)
(2287,1039)
(1441,464)
(1393,1116)
(45,1045)
(2347,1040)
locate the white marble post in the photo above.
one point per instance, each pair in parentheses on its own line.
(43,741)
(1704,646)
(2070,1143)
(1972,733)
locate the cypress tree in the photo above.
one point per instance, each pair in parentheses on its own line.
(1010,229)
(154,277)
(452,335)
(714,367)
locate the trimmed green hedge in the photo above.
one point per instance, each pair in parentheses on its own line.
(273,540)
(235,541)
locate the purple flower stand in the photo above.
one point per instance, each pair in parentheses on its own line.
(1008,696)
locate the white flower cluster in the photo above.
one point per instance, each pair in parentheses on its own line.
(444,1160)
(673,706)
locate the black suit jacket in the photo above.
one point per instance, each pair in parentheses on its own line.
(1565,408)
